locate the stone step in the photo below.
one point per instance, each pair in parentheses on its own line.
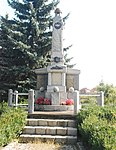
(45,130)
(26,138)
(53,115)
(58,127)
(51,122)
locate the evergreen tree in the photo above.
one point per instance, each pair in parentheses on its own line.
(6,76)
(25,42)
(67,59)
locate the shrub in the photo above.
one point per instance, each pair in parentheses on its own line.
(109,93)
(96,125)
(12,122)
(3,107)
(88,100)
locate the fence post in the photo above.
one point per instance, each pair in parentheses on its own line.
(10,93)
(100,99)
(31,101)
(16,98)
(76,102)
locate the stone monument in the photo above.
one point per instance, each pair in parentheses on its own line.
(57,48)
(57,82)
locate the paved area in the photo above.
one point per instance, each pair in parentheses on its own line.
(38,146)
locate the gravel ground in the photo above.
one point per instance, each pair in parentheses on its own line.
(38,146)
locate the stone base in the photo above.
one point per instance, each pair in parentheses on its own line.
(54,107)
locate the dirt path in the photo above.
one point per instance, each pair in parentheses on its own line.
(38,146)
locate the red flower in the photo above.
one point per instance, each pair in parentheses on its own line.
(40,101)
(47,101)
(69,102)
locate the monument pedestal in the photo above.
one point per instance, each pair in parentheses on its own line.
(56,91)
(54,107)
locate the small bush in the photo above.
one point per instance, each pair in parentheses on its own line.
(97,127)
(3,107)
(88,100)
(11,123)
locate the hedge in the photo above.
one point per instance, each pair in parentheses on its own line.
(12,122)
(97,127)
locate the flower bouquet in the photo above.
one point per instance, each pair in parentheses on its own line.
(43,101)
(67,102)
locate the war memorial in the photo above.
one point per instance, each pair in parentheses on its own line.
(57,82)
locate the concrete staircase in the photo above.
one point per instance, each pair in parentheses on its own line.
(50,128)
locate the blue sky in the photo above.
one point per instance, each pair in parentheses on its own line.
(91,28)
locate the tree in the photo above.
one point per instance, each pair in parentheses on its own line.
(109,92)
(5,57)
(24,42)
(67,59)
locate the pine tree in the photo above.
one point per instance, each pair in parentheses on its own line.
(5,56)
(67,59)
(24,42)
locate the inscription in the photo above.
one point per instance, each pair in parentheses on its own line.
(57,67)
